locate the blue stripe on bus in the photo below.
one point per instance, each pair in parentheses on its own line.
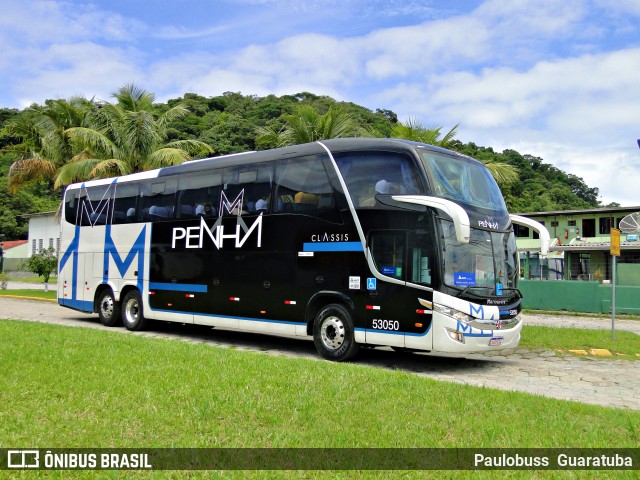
(332,247)
(178,287)
(82,305)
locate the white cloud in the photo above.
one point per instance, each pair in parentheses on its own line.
(83,69)
(614,171)
(429,47)
(553,78)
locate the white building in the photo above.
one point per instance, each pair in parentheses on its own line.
(44,232)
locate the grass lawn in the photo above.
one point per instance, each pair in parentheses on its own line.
(626,344)
(72,387)
(51,294)
(33,279)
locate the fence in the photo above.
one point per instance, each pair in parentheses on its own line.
(579,296)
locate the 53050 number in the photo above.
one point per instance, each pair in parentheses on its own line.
(380,324)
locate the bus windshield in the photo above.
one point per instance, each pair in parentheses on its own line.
(462,180)
(487,261)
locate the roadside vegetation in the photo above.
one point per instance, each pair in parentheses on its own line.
(625,346)
(11,277)
(30,293)
(62,140)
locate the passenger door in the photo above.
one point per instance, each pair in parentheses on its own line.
(386,319)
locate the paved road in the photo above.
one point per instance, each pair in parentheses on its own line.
(614,383)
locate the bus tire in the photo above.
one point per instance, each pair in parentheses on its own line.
(132,313)
(108,309)
(333,333)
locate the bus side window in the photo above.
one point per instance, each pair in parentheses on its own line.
(421,257)
(94,205)
(71,202)
(303,186)
(388,249)
(248,187)
(369,173)
(125,207)
(159,200)
(199,194)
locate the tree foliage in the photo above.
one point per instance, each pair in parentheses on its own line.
(78,138)
(43,264)
(38,139)
(126,137)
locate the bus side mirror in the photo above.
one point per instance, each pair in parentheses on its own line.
(459,216)
(545,238)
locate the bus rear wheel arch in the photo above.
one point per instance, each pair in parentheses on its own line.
(107,307)
(132,311)
(333,333)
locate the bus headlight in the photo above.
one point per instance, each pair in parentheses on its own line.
(453,313)
(456,336)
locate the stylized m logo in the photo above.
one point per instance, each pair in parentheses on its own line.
(225,204)
(97,211)
(137,249)
(479,309)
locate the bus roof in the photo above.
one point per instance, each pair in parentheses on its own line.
(250,157)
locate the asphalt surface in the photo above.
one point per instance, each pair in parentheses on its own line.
(592,380)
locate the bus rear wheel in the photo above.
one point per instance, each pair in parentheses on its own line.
(132,314)
(108,309)
(333,333)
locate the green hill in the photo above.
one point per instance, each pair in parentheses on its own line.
(229,122)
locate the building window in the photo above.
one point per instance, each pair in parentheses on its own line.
(536,235)
(605,225)
(40,244)
(51,243)
(520,231)
(571,223)
(589,227)
(33,247)
(554,223)
(58,245)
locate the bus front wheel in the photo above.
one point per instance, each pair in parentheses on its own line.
(132,314)
(333,333)
(108,309)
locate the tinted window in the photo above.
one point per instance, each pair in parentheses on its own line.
(388,250)
(247,189)
(159,199)
(463,180)
(303,187)
(125,208)
(386,173)
(199,194)
(94,205)
(71,206)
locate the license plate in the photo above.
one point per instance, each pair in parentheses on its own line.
(496,341)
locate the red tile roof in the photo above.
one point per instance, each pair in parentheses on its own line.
(6,245)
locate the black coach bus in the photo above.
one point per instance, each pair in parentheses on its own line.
(376,242)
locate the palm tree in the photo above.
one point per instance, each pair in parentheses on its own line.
(503,173)
(412,129)
(40,137)
(307,125)
(125,137)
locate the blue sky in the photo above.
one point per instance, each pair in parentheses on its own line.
(557,79)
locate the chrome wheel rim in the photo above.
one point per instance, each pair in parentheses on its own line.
(132,311)
(332,333)
(106,307)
